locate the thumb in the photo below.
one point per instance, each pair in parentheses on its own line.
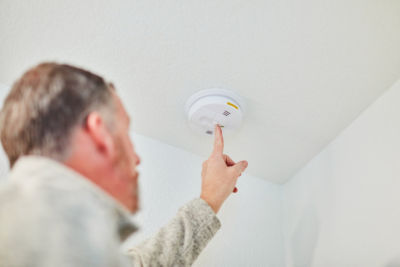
(240,167)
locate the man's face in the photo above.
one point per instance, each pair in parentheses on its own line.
(125,160)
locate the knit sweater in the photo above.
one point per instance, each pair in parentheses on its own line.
(52,216)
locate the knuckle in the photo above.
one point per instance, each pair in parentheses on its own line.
(236,173)
(233,173)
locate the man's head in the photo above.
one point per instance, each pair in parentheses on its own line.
(75,117)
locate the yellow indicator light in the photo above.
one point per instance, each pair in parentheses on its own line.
(230,104)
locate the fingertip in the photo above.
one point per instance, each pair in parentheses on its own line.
(244,164)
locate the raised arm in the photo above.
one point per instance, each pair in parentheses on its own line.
(180,242)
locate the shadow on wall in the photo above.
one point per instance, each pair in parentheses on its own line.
(395,262)
(304,238)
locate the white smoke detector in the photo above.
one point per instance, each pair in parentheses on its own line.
(209,107)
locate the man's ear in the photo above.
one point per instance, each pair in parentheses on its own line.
(97,130)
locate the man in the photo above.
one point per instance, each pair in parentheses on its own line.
(73,180)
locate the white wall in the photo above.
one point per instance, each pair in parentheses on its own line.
(251,232)
(343,208)
(3,159)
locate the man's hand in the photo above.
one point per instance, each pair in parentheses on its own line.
(219,174)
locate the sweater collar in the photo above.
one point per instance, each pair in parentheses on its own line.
(36,165)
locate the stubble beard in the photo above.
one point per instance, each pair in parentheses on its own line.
(123,163)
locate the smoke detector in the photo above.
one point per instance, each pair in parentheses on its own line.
(209,107)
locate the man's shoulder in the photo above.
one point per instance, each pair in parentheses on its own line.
(42,190)
(45,196)
(44,214)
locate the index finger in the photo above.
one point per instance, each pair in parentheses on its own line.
(218,141)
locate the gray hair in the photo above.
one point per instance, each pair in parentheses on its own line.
(45,104)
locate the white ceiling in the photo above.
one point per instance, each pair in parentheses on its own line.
(306,68)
